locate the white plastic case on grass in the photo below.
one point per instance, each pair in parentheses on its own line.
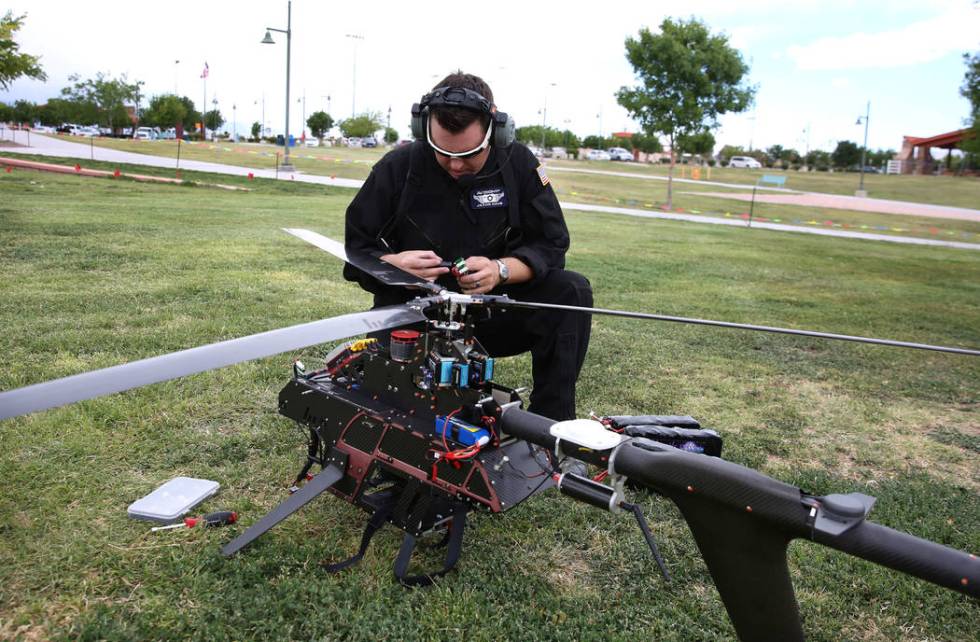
(170,502)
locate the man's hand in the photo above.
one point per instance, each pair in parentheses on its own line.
(484,275)
(421,263)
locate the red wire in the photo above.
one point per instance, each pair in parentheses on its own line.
(445,427)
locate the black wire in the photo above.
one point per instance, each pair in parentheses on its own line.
(533,492)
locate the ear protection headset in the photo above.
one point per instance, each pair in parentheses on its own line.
(502,124)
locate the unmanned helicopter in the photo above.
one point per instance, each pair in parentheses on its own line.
(409,425)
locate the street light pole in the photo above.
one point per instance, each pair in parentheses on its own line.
(864,149)
(303,124)
(355,37)
(286,165)
(544,114)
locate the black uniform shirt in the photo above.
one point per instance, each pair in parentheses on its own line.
(410,203)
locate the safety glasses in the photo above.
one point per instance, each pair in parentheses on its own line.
(469,154)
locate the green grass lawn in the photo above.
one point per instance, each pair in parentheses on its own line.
(619,191)
(356,163)
(342,162)
(96,272)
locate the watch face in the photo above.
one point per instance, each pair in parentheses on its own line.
(504,270)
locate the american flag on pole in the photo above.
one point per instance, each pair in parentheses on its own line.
(204,74)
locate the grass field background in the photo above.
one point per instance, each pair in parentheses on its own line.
(643,193)
(97,272)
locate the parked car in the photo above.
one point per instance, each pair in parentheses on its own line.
(620,154)
(744,161)
(369,141)
(598,155)
(559,153)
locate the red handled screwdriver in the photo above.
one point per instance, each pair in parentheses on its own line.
(220,518)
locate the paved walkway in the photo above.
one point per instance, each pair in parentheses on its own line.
(854,203)
(53,146)
(653,177)
(770,226)
(801,198)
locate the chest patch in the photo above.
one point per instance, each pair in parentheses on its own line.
(482,199)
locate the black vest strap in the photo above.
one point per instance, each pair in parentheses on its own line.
(413,179)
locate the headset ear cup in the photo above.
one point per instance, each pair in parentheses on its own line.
(418,121)
(504,131)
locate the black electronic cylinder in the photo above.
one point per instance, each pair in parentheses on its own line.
(586,490)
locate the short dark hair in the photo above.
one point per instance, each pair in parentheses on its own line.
(456,119)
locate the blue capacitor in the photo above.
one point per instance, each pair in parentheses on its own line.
(445,371)
(462,374)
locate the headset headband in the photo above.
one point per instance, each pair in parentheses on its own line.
(457,97)
(460,97)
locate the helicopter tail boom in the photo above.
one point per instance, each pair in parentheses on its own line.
(743,522)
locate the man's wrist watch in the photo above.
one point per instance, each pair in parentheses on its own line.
(503,271)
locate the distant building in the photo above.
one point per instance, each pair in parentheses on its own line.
(916,156)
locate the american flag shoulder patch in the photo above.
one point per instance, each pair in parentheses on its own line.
(544,177)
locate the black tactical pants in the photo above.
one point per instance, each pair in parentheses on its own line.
(557,339)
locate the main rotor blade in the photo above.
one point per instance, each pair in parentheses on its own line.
(384,272)
(106,381)
(505,301)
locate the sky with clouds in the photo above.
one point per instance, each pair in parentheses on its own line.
(816,63)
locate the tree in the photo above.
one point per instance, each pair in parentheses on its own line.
(107,95)
(13,65)
(193,116)
(256,130)
(56,111)
(700,144)
(361,126)
(569,140)
(213,120)
(6,113)
(789,157)
(595,142)
(391,135)
(773,154)
(726,153)
(687,79)
(818,159)
(971,91)
(646,144)
(847,154)
(319,122)
(24,111)
(165,111)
